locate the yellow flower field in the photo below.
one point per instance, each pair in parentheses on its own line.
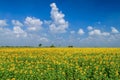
(59,63)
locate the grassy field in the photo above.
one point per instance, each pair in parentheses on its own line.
(59,63)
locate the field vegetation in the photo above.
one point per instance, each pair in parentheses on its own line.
(59,63)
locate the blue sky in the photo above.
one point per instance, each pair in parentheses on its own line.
(84,23)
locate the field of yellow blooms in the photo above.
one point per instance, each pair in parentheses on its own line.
(59,63)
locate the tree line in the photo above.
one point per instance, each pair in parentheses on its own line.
(52,45)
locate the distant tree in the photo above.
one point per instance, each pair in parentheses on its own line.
(70,46)
(40,45)
(52,45)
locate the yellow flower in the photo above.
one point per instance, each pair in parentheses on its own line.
(13,79)
(96,67)
(31,72)
(117,73)
(63,73)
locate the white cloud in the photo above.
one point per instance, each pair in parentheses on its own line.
(105,34)
(19,32)
(98,32)
(5,31)
(58,24)
(16,23)
(81,32)
(33,23)
(115,38)
(105,41)
(44,39)
(95,32)
(3,23)
(114,30)
(90,28)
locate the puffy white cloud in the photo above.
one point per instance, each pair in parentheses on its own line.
(16,23)
(90,28)
(98,32)
(19,32)
(114,30)
(95,32)
(33,23)
(3,23)
(58,24)
(81,32)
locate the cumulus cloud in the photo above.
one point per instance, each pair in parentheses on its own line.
(58,24)
(33,23)
(19,32)
(90,28)
(16,23)
(3,23)
(98,32)
(81,32)
(114,30)
(95,32)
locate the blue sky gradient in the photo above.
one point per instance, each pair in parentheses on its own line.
(84,23)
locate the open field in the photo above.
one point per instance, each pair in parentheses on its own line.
(59,63)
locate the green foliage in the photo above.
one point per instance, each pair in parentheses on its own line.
(70,46)
(40,45)
(52,46)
